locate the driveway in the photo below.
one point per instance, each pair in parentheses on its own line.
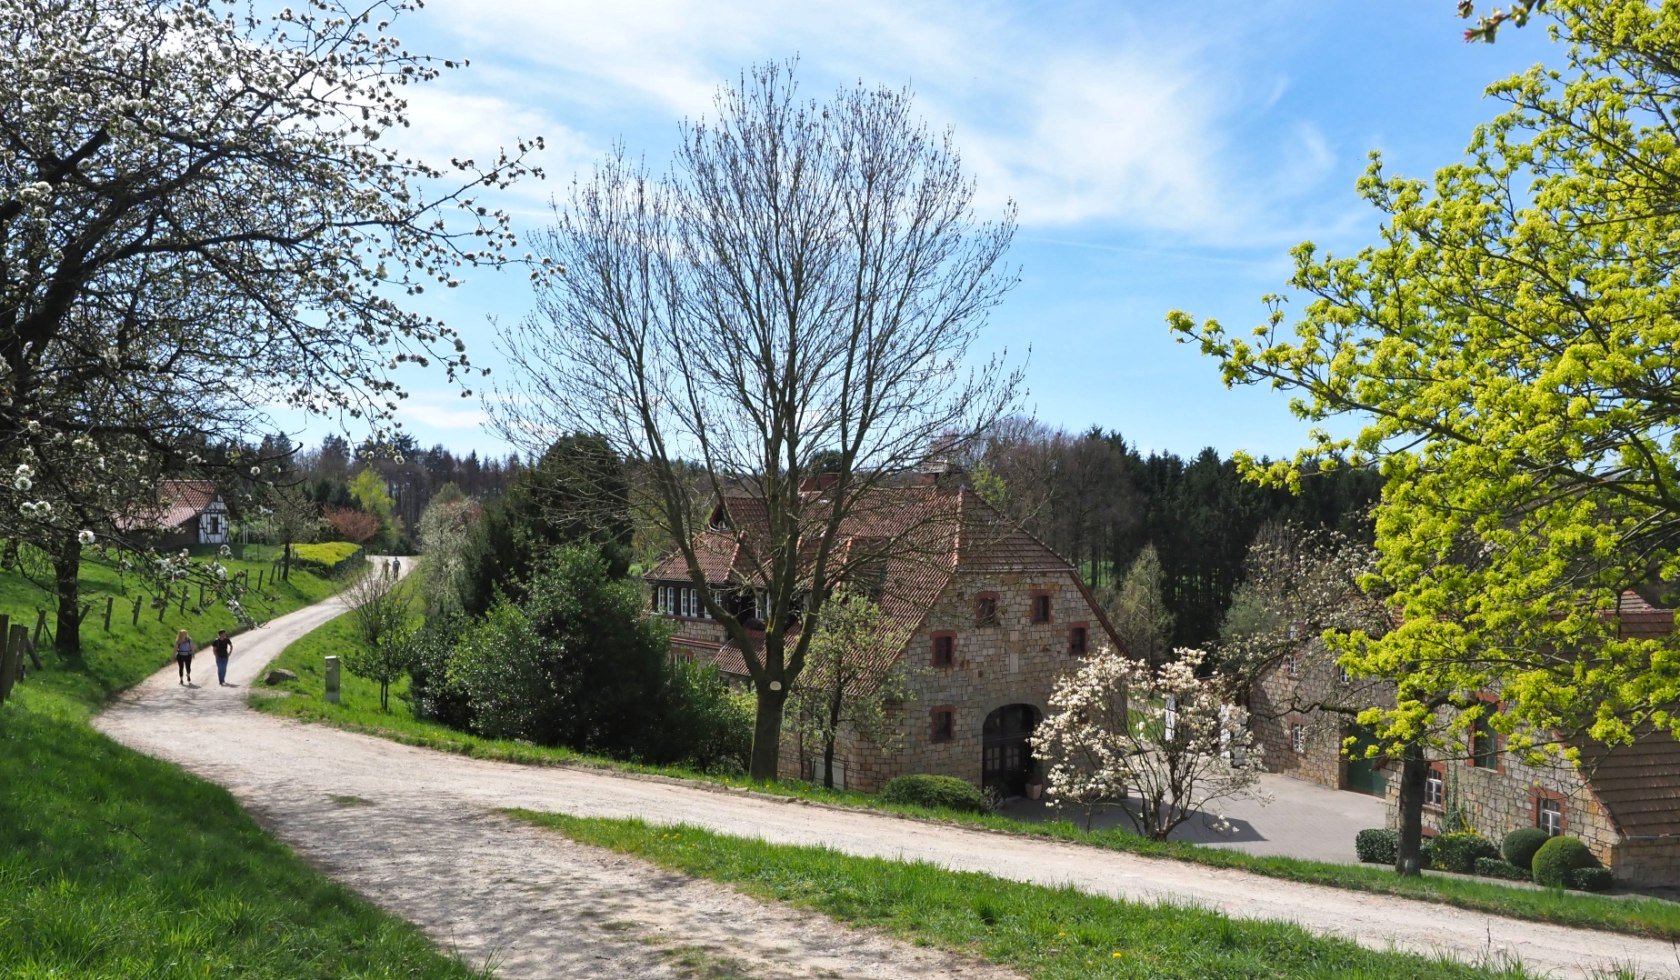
(1302,819)
(418,833)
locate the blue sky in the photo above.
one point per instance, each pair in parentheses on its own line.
(1162,156)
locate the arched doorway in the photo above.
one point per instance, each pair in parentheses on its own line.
(1005,759)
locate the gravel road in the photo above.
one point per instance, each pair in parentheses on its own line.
(416,832)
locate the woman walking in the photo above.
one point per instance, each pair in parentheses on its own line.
(184,647)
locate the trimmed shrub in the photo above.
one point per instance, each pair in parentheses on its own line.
(330,559)
(948,792)
(1520,844)
(1495,868)
(1557,858)
(1377,846)
(1593,879)
(1426,852)
(1459,852)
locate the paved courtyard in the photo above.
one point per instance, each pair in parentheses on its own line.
(1303,820)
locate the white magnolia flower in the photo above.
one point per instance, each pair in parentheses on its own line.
(85,537)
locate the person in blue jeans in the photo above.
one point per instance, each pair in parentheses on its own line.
(222,647)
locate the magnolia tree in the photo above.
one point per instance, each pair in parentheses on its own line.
(1119,730)
(201,214)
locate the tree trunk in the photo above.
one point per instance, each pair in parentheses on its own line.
(67,564)
(1414,769)
(831,733)
(286,562)
(767,729)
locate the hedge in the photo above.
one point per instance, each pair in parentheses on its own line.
(329,558)
(1593,879)
(1520,844)
(1377,846)
(1496,868)
(1557,858)
(1459,852)
(948,792)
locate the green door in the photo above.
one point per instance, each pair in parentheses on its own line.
(1363,775)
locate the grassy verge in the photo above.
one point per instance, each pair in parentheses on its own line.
(1042,932)
(118,865)
(360,712)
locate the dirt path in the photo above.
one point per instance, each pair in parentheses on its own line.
(415,831)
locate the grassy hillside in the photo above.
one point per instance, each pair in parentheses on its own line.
(113,864)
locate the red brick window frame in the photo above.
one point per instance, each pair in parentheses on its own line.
(1484,740)
(1079,639)
(942,723)
(1040,606)
(1551,812)
(943,651)
(1435,787)
(986,609)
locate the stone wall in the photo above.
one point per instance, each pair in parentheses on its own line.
(1014,662)
(1279,703)
(1647,862)
(1498,800)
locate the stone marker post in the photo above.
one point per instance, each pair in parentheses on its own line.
(332,680)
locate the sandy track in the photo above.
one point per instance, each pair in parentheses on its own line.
(416,832)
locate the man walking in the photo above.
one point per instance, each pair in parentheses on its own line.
(222,647)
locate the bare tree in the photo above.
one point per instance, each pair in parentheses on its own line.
(797,296)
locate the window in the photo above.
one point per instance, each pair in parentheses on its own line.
(1040,611)
(1548,815)
(1484,741)
(1289,664)
(1078,639)
(1342,675)
(944,727)
(1435,787)
(944,649)
(986,609)
(1298,739)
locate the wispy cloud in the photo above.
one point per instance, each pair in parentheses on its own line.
(1084,115)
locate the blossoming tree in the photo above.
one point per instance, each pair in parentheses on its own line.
(201,214)
(1166,737)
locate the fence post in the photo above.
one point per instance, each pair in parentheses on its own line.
(110,601)
(40,624)
(163,607)
(201,595)
(136,619)
(8,658)
(183,600)
(332,680)
(20,639)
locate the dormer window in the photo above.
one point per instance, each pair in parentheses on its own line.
(719,520)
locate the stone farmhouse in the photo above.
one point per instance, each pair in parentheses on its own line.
(186,512)
(986,613)
(1622,802)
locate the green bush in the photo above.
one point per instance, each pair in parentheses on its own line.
(328,558)
(1557,858)
(1496,868)
(1520,844)
(1460,851)
(1594,879)
(1377,846)
(709,727)
(947,792)
(1426,853)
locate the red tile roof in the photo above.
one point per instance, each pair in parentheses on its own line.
(178,501)
(925,534)
(1639,783)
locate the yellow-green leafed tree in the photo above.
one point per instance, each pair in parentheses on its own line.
(1510,346)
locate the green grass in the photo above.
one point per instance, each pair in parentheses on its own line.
(114,864)
(1040,931)
(360,712)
